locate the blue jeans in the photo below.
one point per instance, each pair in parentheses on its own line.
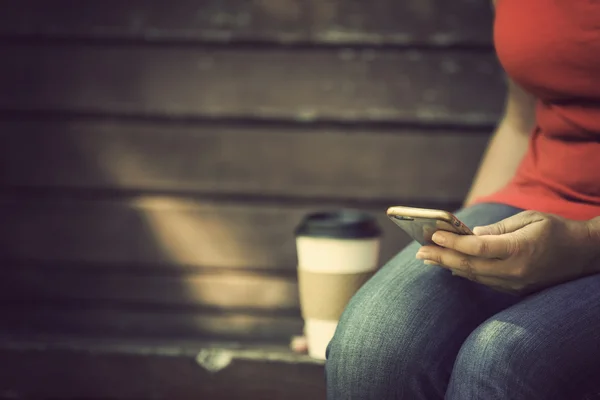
(418,332)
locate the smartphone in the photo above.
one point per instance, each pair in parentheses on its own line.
(422,223)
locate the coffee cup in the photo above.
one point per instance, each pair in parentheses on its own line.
(338,252)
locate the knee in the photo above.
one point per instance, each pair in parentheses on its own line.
(362,339)
(378,350)
(362,357)
(494,357)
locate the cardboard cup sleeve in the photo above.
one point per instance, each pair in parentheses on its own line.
(324,296)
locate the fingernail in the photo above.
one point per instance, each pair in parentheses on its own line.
(421,255)
(428,262)
(438,238)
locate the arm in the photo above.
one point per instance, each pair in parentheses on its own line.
(507,145)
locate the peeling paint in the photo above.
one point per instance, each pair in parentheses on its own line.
(214,360)
(217,359)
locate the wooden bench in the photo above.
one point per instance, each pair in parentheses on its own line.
(76,368)
(157,156)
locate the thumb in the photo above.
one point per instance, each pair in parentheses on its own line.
(509,224)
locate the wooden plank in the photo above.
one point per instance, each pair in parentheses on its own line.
(134,370)
(228,291)
(156,231)
(446,87)
(432,22)
(99,320)
(332,163)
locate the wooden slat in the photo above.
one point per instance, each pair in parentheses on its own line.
(292,84)
(433,22)
(89,319)
(134,370)
(333,163)
(160,231)
(224,291)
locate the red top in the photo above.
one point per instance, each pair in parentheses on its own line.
(552,49)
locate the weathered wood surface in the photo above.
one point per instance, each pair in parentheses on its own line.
(157,156)
(443,87)
(218,291)
(158,232)
(110,319)
(391,164)
(338,22)
(76,369)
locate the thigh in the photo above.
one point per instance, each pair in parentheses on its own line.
(407,323)
(545,347)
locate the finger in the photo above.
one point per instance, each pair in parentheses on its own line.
(500,247)
(509,224)
(459,262)
(470,265)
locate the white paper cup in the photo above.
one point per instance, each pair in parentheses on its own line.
(337,253)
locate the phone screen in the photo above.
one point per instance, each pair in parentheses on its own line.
(422,229)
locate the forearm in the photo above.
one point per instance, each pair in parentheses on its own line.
(507,145)
(500,161)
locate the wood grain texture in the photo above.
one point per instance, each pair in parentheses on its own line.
(230,291)
(431,22)
(134,370)
(333,163)
(105,320)
(445,87)
(155,231)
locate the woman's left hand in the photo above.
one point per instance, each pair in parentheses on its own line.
(521,254)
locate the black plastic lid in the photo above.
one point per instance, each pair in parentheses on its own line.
(340,224)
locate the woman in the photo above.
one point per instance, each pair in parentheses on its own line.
(514,311)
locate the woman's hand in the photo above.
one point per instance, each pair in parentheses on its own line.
(521,254)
